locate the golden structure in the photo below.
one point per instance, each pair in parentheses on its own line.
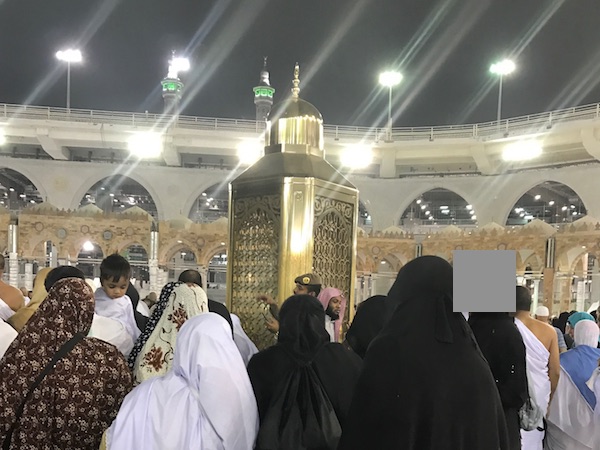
(290,213)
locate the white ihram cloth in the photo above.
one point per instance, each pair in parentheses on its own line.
(570,419)
(537,357)
(120,309)
(205,402)
(594,384)
(6,311)
(113,332)
(242,341)
(7,335)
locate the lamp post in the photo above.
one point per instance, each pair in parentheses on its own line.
(390,79)
(501,68)
(69,56)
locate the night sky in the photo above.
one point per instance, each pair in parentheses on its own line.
(444,49)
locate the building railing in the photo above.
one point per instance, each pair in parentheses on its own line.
(533,123)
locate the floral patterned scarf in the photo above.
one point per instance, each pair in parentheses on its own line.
(81,396)
(157,313)
(156,356)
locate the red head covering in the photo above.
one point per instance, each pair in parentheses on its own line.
(324,297)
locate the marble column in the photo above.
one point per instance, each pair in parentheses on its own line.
(13,256)
(536,295)
(153,271)
(29,276)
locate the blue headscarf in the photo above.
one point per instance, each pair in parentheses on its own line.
(579,363)
(576,317)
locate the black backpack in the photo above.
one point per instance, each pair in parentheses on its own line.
(300,415)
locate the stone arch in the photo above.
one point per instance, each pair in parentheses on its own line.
(17,196)
(581,252)
(215,182)
(168,251)
(91,268)
(210,252)
(28,172)
(395,261)
(123,171)
(513,199)
(360,261)
(123,245)
(566,260)
(534,261)
(416,194)
(35,241)
(78,243)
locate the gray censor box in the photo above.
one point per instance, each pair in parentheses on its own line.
(484,280)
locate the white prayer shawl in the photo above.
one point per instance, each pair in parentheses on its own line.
(156,355)
(537,357)
(242,341)
(113,332)
(7,335)
(570,419)
(205,402)
(594,384)
(330,327)
(143,309)
(120,309)
(6,311)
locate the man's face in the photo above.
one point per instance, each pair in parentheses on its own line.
(300,289)
(335,305)
(115,289)
(542,319)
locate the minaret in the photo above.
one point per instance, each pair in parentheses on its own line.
(263,95)
(172,86)
(290,213)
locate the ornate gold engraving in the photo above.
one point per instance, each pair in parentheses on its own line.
(255,262)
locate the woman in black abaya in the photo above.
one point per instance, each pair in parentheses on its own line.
(303,384)
(425,384)
(502,345)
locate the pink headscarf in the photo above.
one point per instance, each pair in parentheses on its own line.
(324,297)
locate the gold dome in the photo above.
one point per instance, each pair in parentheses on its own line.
(295,122)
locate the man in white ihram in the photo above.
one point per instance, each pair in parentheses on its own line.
(543,363)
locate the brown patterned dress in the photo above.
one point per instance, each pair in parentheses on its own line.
(79,399)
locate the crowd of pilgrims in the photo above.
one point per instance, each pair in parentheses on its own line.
(87,370)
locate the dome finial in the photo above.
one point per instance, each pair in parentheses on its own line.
(296,82)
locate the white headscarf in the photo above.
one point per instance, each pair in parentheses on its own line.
(244,344)
(586,333)
(156,355)
(205,402)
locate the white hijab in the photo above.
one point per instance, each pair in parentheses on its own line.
(156,356)
(205,402)
(242,341)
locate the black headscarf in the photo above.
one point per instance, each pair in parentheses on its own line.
(60,272)
(301,327)
(425,385)
(412,280)
(369,319)
(140,320)
(561,322)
